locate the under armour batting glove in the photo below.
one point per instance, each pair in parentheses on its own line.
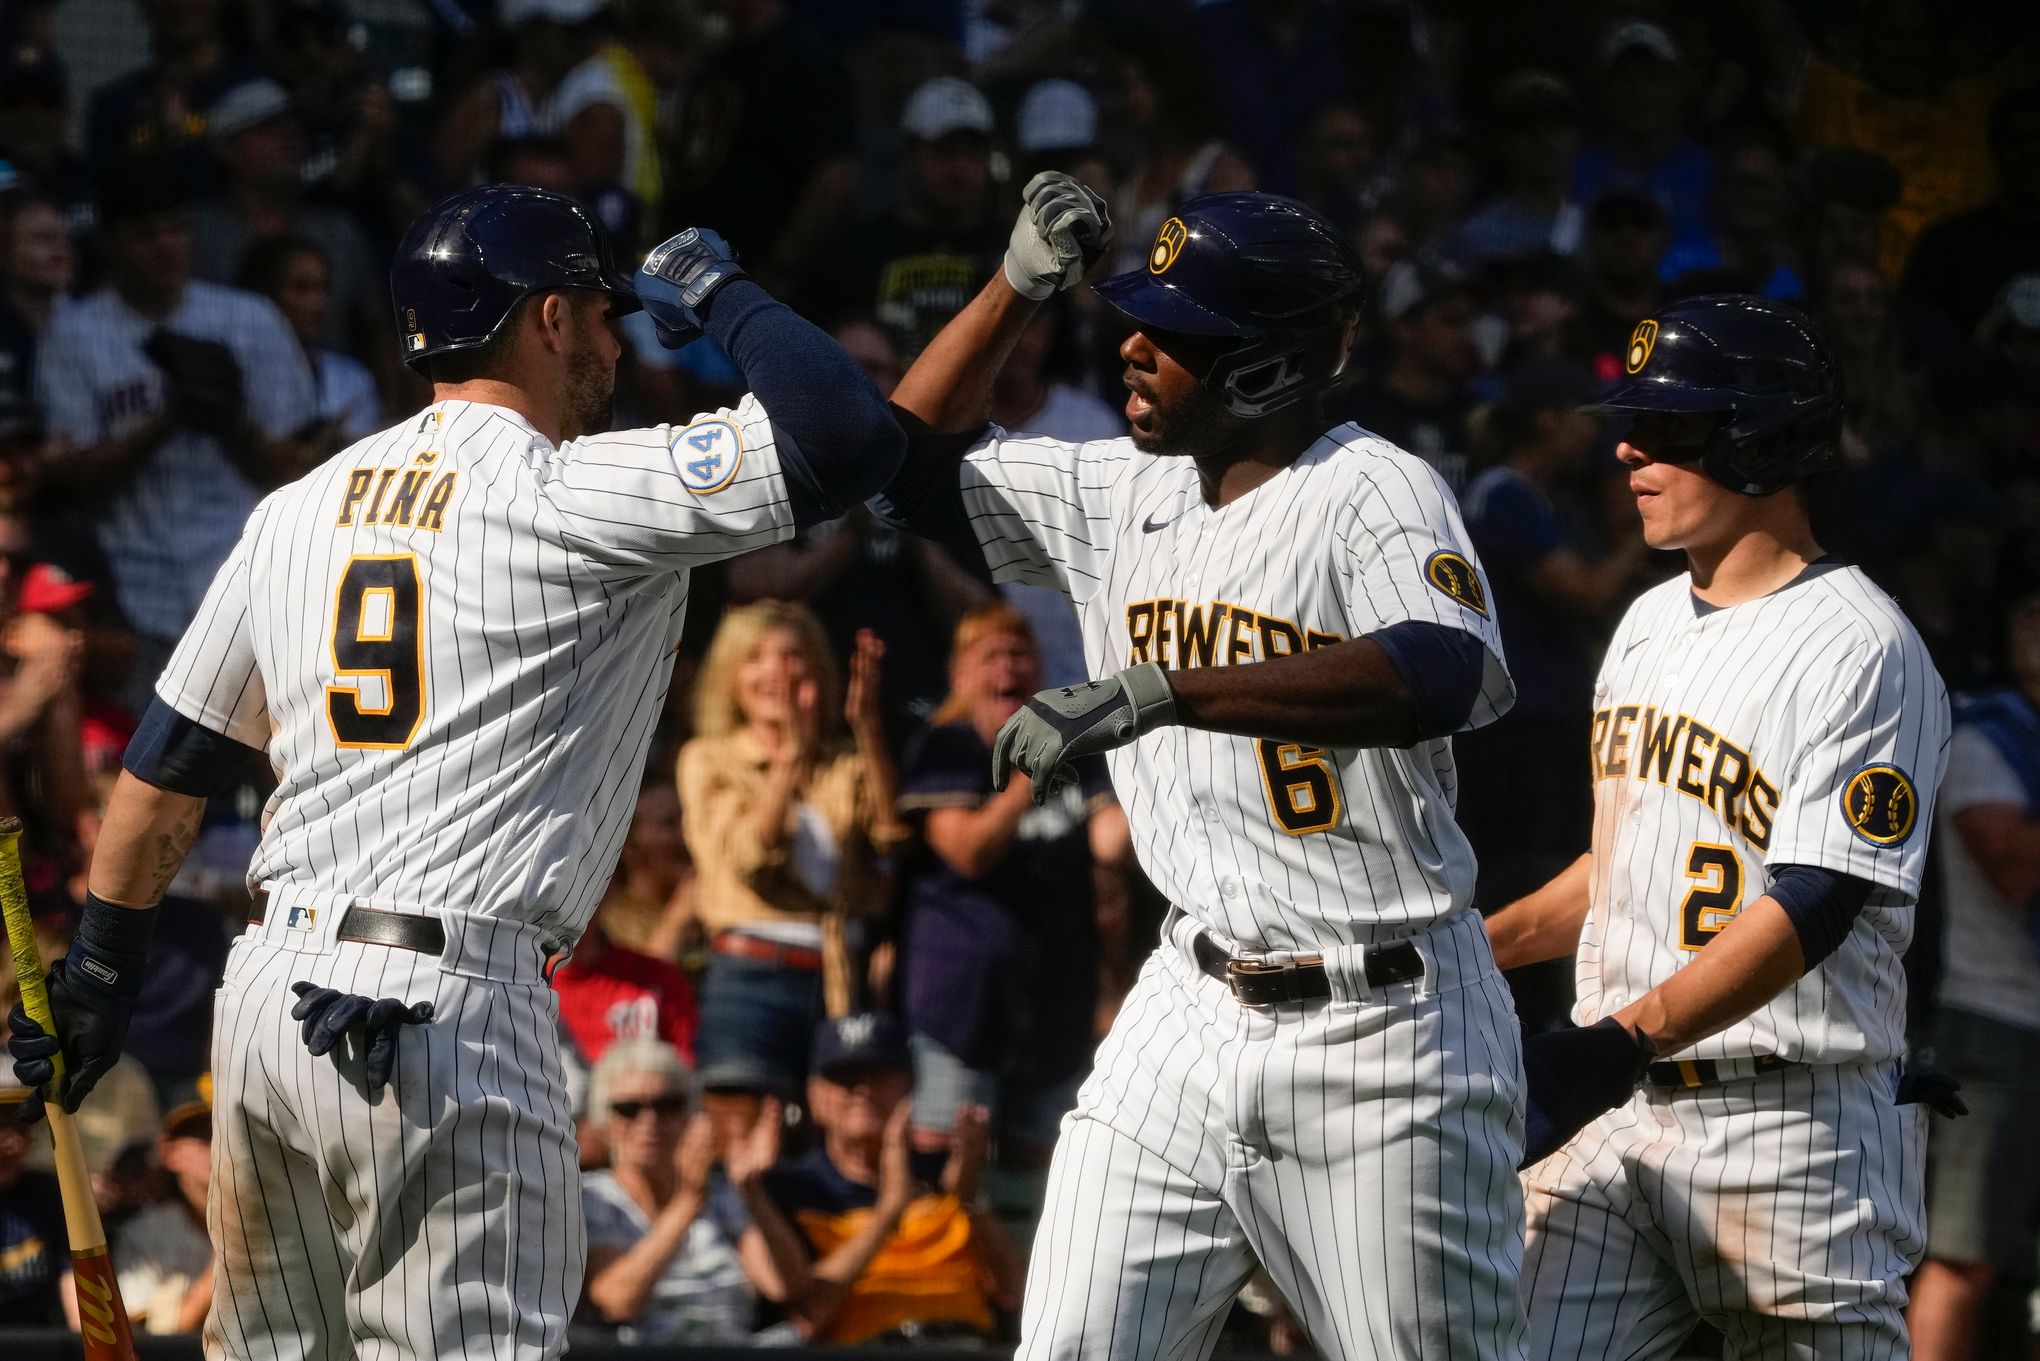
(92,994)
(1574,1075)
(329,1015)
(1056,728)
(1062,230)
(679,277)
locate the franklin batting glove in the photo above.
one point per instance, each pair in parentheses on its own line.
(679,277)
(92,996)
(1062,230)
(328,1015)
(1057,728)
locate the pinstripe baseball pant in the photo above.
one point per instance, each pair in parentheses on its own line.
(1784,1209)
(1362,1148)
(440,1219)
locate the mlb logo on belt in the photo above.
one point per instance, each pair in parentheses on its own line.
(301,918)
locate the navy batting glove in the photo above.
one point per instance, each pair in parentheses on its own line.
(92,993)
(1573,1076)
(329,1014)
(679,277)
(1056,728)
(1924,1083)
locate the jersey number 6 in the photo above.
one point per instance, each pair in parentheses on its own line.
(377,638)
(1302,792)
(1716,895)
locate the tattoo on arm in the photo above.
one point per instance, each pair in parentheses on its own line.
(171,848)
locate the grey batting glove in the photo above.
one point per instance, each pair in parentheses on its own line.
(1057,728)
(1062,230)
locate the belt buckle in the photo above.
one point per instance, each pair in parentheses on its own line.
(1238,970)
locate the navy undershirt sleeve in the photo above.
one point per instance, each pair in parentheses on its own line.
(1822,903)
(836,437)
(172,752)
(1443,668)
(925,497)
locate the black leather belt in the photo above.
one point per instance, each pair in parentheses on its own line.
(373,926)
(1259,984)
(1712,1072)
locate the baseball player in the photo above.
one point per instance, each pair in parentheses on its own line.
(1767,736)
(451,641)
(1319,1068)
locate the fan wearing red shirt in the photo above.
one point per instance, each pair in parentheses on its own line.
(608,993)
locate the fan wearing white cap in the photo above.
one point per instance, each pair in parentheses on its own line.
(917,266)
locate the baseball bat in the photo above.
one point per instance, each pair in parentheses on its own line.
(102,1319)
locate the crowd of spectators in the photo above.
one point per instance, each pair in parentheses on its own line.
(840,991)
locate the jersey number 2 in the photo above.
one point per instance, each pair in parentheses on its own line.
(1716,895)
(377,638)
(1302,793)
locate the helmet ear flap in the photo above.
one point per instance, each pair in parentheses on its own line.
(1277,371)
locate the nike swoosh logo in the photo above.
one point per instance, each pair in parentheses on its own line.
(1148,526)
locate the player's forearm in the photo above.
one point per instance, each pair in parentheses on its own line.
(143,840)
(1753,959)
(1546,923)
(1347,695)
(948,390)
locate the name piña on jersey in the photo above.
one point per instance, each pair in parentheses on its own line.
(1807,727)
(453,640)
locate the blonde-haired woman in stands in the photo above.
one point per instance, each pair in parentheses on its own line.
(787,794)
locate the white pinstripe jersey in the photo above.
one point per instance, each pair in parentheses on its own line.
(453,640)
(1808,727)
(1273,846)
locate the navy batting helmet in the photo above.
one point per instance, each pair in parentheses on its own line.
(465,264)
(1265,271)
(1757,365)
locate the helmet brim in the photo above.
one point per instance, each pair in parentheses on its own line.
(1151,303)
(1643,394)
(622,293)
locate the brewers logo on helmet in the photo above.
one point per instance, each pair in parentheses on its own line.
(1759,367)
(1268,272)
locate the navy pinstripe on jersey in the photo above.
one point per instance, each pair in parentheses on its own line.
(1273,847)
(1808,727)
(1362,1148)
(552,596)
(453,641)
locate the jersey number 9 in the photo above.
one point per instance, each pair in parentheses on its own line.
(377,642)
